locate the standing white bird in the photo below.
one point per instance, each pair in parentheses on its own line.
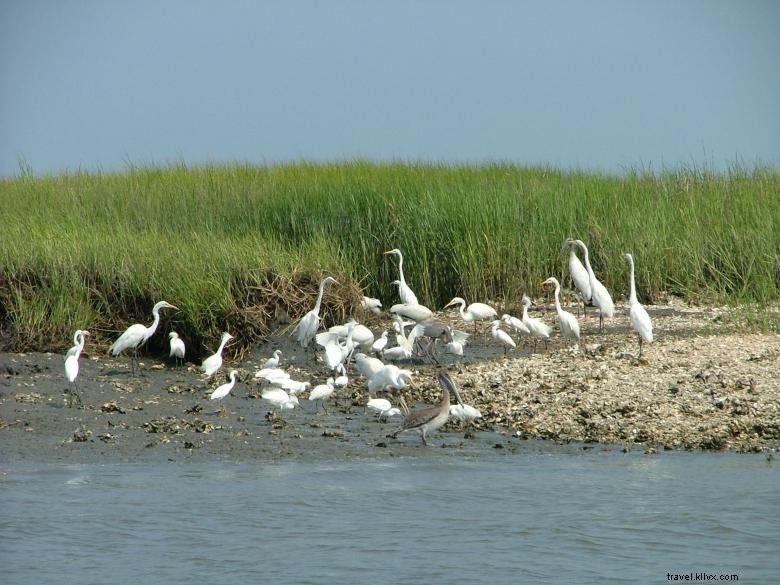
(392,378)
(474,312)
(177,347)
(136,335)
(225,389)
(640,320)
(537,327)
(579,275)
(72,365)
(459,338)
(212,363)
(310,322)
(516,324)
(322,392)
(599,293)
(273,362)
(379,345)
(279,398)
(382,407)
(570,328)
(501,335)
(367,366)
(371,305)
(404,290)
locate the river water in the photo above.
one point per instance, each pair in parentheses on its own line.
(545,517)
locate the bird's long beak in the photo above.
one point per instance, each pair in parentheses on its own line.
(86,333)
(174,307)
(388,252)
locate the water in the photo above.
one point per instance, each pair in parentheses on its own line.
(499,518)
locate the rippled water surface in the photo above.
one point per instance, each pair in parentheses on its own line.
(597,517)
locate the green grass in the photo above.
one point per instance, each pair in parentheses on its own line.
(230,244)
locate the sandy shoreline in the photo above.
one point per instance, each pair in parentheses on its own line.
(698,387)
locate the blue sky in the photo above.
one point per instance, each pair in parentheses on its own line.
(96,84)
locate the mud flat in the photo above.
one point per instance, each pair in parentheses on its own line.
(698,386)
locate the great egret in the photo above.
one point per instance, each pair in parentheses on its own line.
(371,305)
(404,291)
(322,392)
(414,311)
(225,389)
(537,327)
(212,363)
(501,335)
(72,364)
(367,366)
(640,320)
(579,275)
(136,335)
(392,378)
(431,418)
(516,324)
(474,312)
(273,362)
(570,328)
(379,345)
(599,293)
(310,322)
(177,347)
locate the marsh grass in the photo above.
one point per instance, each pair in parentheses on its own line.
(237,247)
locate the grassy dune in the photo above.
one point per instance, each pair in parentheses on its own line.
(234,245)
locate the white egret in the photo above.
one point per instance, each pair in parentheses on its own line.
(279,398)
(310,322)
(405,348)
(579,275)
(367,366)
(414,311)
(464,412)
(392,378)
(431,418)
(177,347)
(570,328)
(72,364)
(537,327)
(640,320)
(294,387)
(599,293)
(379,345)
(225,389)
(516,324)
(405,293)
(212,363)
(382,407)
(458,342)
(502,336)
(273,362)
(342,380)
(136,335)
(271,374)
(474,312)
(322,392)
(371,305)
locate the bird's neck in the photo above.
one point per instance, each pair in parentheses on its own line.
(319,298)
(222,345)
(153,327)
(632,286)
(557,298)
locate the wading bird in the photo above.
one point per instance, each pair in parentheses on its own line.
(136,335)
(431,418)
(502,336)
(640,320)
(72,365)
(570,328)
(321,392)
(225,389)
(371,305)
(212,363)
(404,291)
(579,275)
(474,312)
(310,322)
(516,324)
(273,362)
(599,293)
(177,347)
(393,379)
(537,327)
(379,345)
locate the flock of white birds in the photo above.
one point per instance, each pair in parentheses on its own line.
(414,324)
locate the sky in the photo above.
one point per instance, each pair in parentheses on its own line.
(604,85)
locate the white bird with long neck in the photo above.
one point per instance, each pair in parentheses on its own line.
(212,363)
(599,293)
(310,322)
(177,346)
(579,274)
(136,335)
(391,378)
(379,345)
(322,392)
(404,290)
(501,336)
(474,312)
(273,362)
(516,324)
(537,327)
(72,363)
(570,328)
(225,389)
(640,320)
(371,305)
